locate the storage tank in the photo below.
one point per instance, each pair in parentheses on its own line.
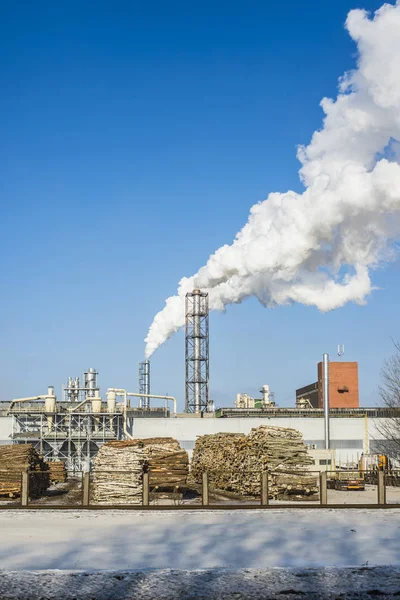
(50,404)
(91,383)
(96,408)
(111,402)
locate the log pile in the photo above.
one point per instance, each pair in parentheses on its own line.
(168,464)
(18,458)
(119,466)
(57,471)
(118,473)
(234,463)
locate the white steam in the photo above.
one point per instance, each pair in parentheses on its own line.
(318,247)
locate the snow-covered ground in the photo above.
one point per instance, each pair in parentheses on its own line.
(216,584)
(212,554)
(198,540)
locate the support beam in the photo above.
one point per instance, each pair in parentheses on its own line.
(25,488)
(146,489)
(86,489)
(264,489)
(323,491)
(381,488)
(204,490)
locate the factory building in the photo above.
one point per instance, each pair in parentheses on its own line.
(73,432)
(350,434)
(343,387)
(74,427)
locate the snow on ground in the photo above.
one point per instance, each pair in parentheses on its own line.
(116,555)
(198,539)
(218,584)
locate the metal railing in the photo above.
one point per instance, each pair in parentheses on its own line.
(78,493)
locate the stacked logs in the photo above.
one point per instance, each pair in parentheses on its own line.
(118,473)
(16,459)
(168,464)
(234,463)
(119,466)
(57,471)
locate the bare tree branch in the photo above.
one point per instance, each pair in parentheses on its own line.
(389,392)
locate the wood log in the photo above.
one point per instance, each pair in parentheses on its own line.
(57,471)
(234,462)
(119,465)
(16,459)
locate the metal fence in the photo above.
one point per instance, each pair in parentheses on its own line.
(336,489)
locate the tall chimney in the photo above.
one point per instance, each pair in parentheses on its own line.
(197,352)
(325,380)
(144,384)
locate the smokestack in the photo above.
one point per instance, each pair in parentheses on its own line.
(144,384)
(196,352)
(319,247)
(325,380)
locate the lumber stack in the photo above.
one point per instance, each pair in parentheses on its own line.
(234,462)
(168,464)
(118,473)
(119,465)
(57,471)
(16,459)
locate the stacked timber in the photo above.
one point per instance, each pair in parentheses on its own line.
(234,462)
(57,471)
(168,464)
(118,473)
(16,459)
(119,465)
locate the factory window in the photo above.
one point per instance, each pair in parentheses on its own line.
(325,461)
(383,446)
(315,444)
(347,444)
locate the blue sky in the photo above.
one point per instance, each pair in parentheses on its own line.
(134,139)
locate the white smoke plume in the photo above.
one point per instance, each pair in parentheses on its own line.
(319,247)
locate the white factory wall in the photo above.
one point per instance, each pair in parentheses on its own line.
(375,429)
(350,436)
(347,435)
(5,430)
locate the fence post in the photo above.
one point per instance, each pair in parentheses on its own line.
(264,488)
(381,488)
(86,489)
(25,488)
(323,493)
(204,491)
(146,488)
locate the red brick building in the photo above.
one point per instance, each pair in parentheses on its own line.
(343,386)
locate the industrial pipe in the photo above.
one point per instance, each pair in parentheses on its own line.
(171,398)
(74,408)
(325,378)
(31,399)
(125,394)
(121,392)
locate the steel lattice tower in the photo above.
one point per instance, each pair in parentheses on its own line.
(144,383)
(197,351)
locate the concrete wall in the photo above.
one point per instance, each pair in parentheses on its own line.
(5,430)
(347,435)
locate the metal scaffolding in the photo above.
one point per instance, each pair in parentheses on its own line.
(74,437)
(197,352)
(144,384)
